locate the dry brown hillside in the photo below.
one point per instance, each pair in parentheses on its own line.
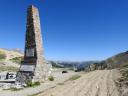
(9,59)
(10,53)
(119,60)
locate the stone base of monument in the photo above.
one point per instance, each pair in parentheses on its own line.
(39,73)
(42,72)
(23,77)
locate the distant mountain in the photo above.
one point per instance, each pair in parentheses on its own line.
(69,64)
(55,64)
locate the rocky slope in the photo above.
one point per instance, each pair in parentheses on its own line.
(117,61)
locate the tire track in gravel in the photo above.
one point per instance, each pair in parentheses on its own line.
(103,85)
(96,83)
(95,86)
(68,86)
(112,89)
(88,86)
(76,89)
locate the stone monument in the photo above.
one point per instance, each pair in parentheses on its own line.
(34,66)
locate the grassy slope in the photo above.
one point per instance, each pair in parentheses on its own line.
(10,61)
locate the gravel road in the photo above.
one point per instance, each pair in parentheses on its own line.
(96,83)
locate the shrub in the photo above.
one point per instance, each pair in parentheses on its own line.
(36,83)
(51,78)
(74,77)
(30,84)
(2,55)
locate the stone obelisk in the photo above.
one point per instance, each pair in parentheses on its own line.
(33,43)
(33,66)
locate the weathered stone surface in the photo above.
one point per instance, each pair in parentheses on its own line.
(34,66)
(33,44)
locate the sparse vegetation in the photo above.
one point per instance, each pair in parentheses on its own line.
(17,60)
(8,68)
(51,78)
(2,55)
(122,82)
(74,77)
(36,84)
(31,84)
(125,66)
(125,74)
(14,89)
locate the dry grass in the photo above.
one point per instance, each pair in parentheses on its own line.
(8,68)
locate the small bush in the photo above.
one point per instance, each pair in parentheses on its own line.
(74,77)
(36,83)
(51,78)
(30,84)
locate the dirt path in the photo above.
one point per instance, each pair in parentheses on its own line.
(59,78)
(97,83)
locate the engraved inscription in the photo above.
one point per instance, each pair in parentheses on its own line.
(27,68)
(30,52)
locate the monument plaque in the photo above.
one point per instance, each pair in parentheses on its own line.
(30,52)
(27,67)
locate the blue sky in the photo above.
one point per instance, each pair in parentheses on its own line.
(75,30)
